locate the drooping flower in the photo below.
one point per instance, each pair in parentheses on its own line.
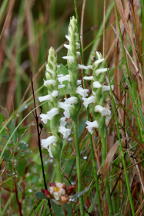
(88,77)
(84,67)
(45,98)
(49,82)
(66,132)
(67,105)
(88,100)
(49,115)
(101,70)
(96,84)
(91,125)
(48,143)
(103,110)
(82,92)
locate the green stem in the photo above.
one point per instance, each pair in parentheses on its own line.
(95,176)
(58,177)
(102,133)
(75,123)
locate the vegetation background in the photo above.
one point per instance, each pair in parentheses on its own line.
(27,29)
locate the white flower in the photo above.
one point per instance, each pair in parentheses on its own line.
(62,78)
(79,82)
(69,58)
(44,118)
(97,62)
(49,115)
(66,132)
(54,93)
(80,66)
(78,53)
(48,142)
(52,113)
(97,84)
(81,91)
(104,111)
(57,190)
(107,88)
(45,98)
(48,97)
(63,130)
(88,77)
(63,105)
(71,100)
(99,55)
(61,86)
(63,121)
(89,100)
(49,82)
(67,37)
(67,46)
(91,125)
(101,70)
(85,157)
(66,107)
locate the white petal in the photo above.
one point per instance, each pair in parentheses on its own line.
(97,84)
(67,113)
(63,121)
(48,141)
(79,82)
(101,70)
(88,77)
(89,100)
(52,113)
(63,105)
(54,93)
(66,107)
(80,66)
(78,53)
(104,111)
(49,82)
(97,62)
(67,37)
(44,118)
(69,58)
(61,86)
(62,78)
(71,100)
(107,88)
(67,46)
(45,98)
(91,125)
(81,91)
(66,132)
(99,55)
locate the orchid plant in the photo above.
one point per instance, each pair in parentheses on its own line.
(81,89)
